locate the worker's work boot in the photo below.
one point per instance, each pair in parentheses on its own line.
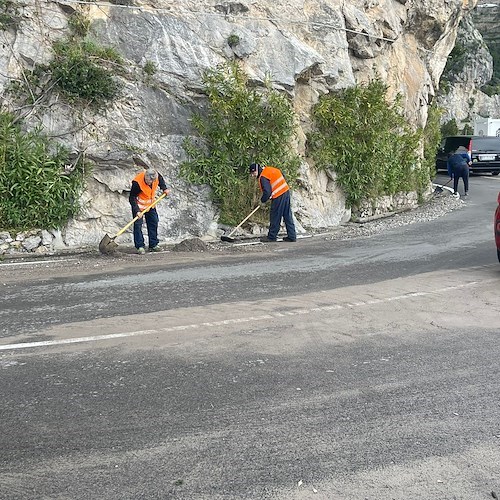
(141,250)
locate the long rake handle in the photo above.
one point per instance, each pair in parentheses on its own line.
(140,215)
(243,221)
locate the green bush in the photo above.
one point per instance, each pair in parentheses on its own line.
(35,191)
(367,141)
(150,68)
(493,86)
(241,125)
(457,60)
(490,89)
(9,14)
(79,24)
(233,40)
(80,70)
(449,128)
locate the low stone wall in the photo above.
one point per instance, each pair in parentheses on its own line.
(34,241)
(387,204)
(50,242)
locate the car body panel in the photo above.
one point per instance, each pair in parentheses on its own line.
(496,227)
(483,150)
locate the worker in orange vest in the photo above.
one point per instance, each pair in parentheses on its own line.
(142,194)
(275,188)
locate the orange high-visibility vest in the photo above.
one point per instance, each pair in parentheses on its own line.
(147,195)
(275,177)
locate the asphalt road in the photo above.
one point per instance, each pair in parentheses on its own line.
(329,369)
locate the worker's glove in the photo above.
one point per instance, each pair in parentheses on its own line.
(262,204)
(166,192)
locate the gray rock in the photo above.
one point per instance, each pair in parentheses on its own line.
(31,242)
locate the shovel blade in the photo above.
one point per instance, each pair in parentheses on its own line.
(107,245)
(228,238)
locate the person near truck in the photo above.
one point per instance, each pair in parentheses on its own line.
(274,187)
(458,167)
(142,194)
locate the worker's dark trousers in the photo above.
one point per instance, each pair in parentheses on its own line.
(463,172)
(151,217)
(281,209)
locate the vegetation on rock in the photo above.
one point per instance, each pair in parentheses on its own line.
(81,70)
(241,125)
(9,14)
(369,144)
(36,190)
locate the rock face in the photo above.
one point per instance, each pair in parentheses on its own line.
(486,18)
(461,96)
(307,48)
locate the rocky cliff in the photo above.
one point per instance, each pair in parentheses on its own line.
(471,67)
(307,48)
(486,18)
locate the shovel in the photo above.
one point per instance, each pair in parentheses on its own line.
(108,245)
(228,237)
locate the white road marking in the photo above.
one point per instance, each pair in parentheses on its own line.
(248,319)
(34,262)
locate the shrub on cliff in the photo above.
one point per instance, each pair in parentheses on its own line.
(82,71)
(241,125)
(368,143)
(35,189)
(9,14)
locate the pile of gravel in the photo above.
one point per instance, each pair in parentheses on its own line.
(191,245)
